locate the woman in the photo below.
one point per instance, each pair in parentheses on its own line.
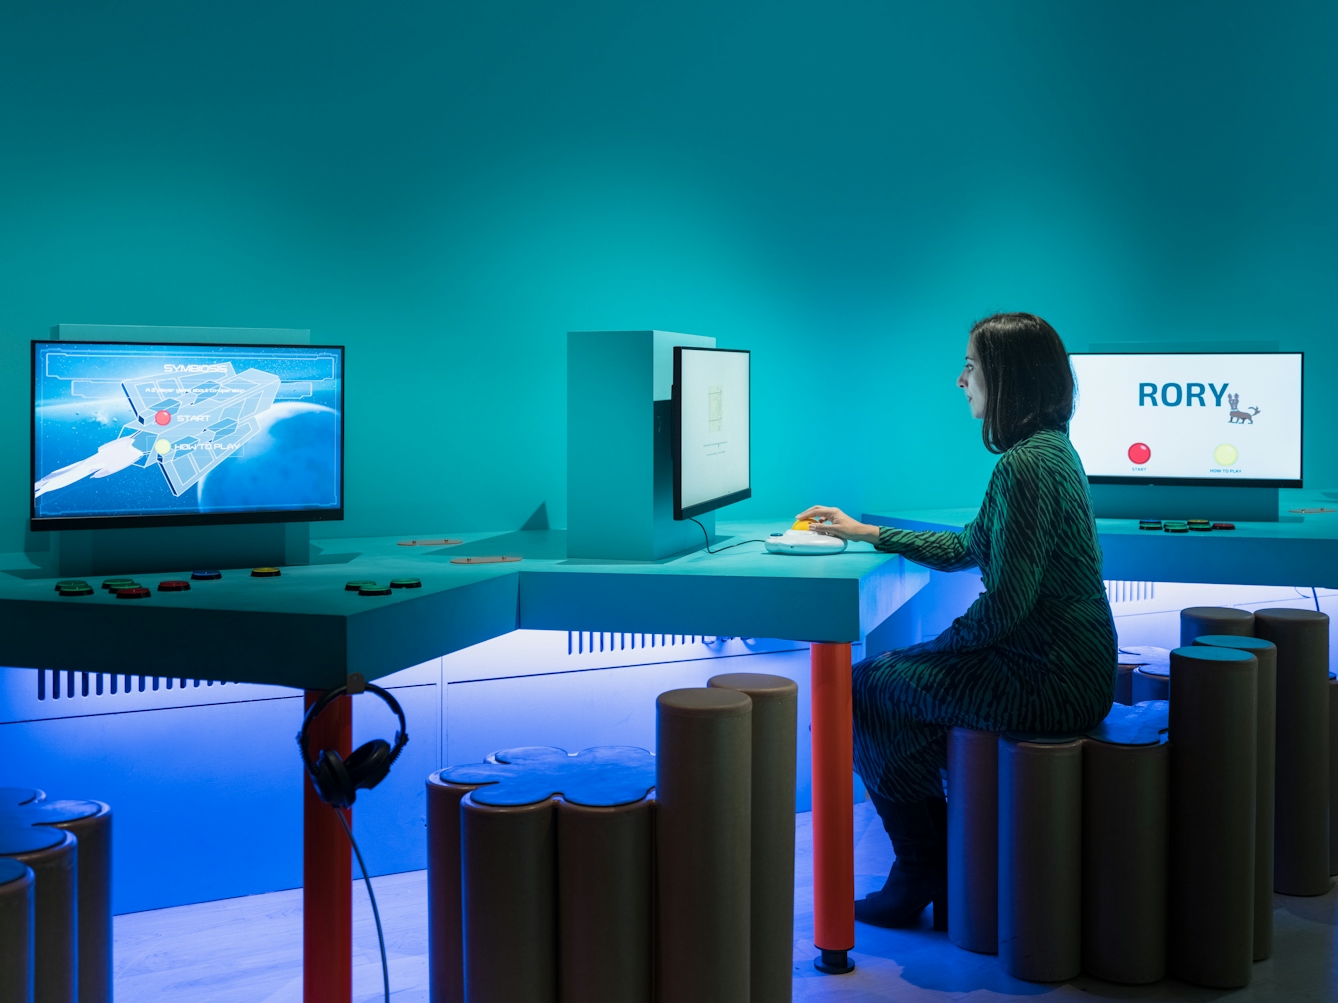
(1036,651)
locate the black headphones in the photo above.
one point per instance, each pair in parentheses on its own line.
(336,779)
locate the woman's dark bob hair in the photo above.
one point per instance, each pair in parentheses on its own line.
(1028,380)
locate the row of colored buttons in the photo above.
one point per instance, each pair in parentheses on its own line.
(128,588)
(365,588)
(122,588)
(1188,525)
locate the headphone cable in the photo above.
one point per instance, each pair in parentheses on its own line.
(719,549)
(380,939)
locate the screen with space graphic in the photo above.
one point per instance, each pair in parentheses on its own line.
(127,433)
(1230,418)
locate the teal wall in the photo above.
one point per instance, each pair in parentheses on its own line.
(447,188)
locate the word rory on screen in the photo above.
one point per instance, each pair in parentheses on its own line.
(1187,394)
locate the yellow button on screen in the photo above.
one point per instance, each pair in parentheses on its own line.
(1226,454)
(162,447)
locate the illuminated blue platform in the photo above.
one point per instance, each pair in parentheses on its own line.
(304,630)
(1297,550)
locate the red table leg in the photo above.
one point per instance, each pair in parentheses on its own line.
(833,808)
(327,884)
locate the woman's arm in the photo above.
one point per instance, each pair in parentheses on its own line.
(1021,517)
(941,551)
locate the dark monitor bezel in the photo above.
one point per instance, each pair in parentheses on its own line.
(676,437)
(1204,482)
(49,523)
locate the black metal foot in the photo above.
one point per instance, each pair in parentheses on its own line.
(833,962)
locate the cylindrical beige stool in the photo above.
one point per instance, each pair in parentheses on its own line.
(1151,682)
(572,876)
(91,823)
(1150,678)
(588,909)
(775,733)
(52,856)
(1199,620)
(509,878)
(1143,673)
(1333,774)
(1301,819)
(703,845)
(1125,826)
(606,860)
(1040,857)
(1213,746)
(445,930)
(973,840)
(16,932)
(1267,707)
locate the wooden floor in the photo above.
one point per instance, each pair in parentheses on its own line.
(250,949)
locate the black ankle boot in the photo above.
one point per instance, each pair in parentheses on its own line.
(919,832)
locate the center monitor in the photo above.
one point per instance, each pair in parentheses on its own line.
(131,434)
(710,433)
(1192,419)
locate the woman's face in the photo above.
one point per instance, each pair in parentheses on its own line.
(972,382)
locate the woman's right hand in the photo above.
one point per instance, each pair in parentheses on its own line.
(832,521)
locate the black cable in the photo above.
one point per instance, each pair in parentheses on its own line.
(1315,592)
(385,968)
(719,549)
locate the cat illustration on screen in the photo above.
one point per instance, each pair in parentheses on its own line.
(1238,417)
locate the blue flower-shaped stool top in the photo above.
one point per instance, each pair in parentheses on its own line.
(28,819)
(596,778)
(1144,723)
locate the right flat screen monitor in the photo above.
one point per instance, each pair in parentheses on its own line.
(1189,418)
(710,415)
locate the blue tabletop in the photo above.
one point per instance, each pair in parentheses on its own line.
(1299,549)
(304,629)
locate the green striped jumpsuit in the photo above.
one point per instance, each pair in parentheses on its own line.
(1036,651)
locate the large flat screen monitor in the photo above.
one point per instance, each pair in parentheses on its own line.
(710,433)
(128,434)
(1189,419)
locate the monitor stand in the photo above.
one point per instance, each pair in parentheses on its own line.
(620,466)
(1222,504)
(90,552)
